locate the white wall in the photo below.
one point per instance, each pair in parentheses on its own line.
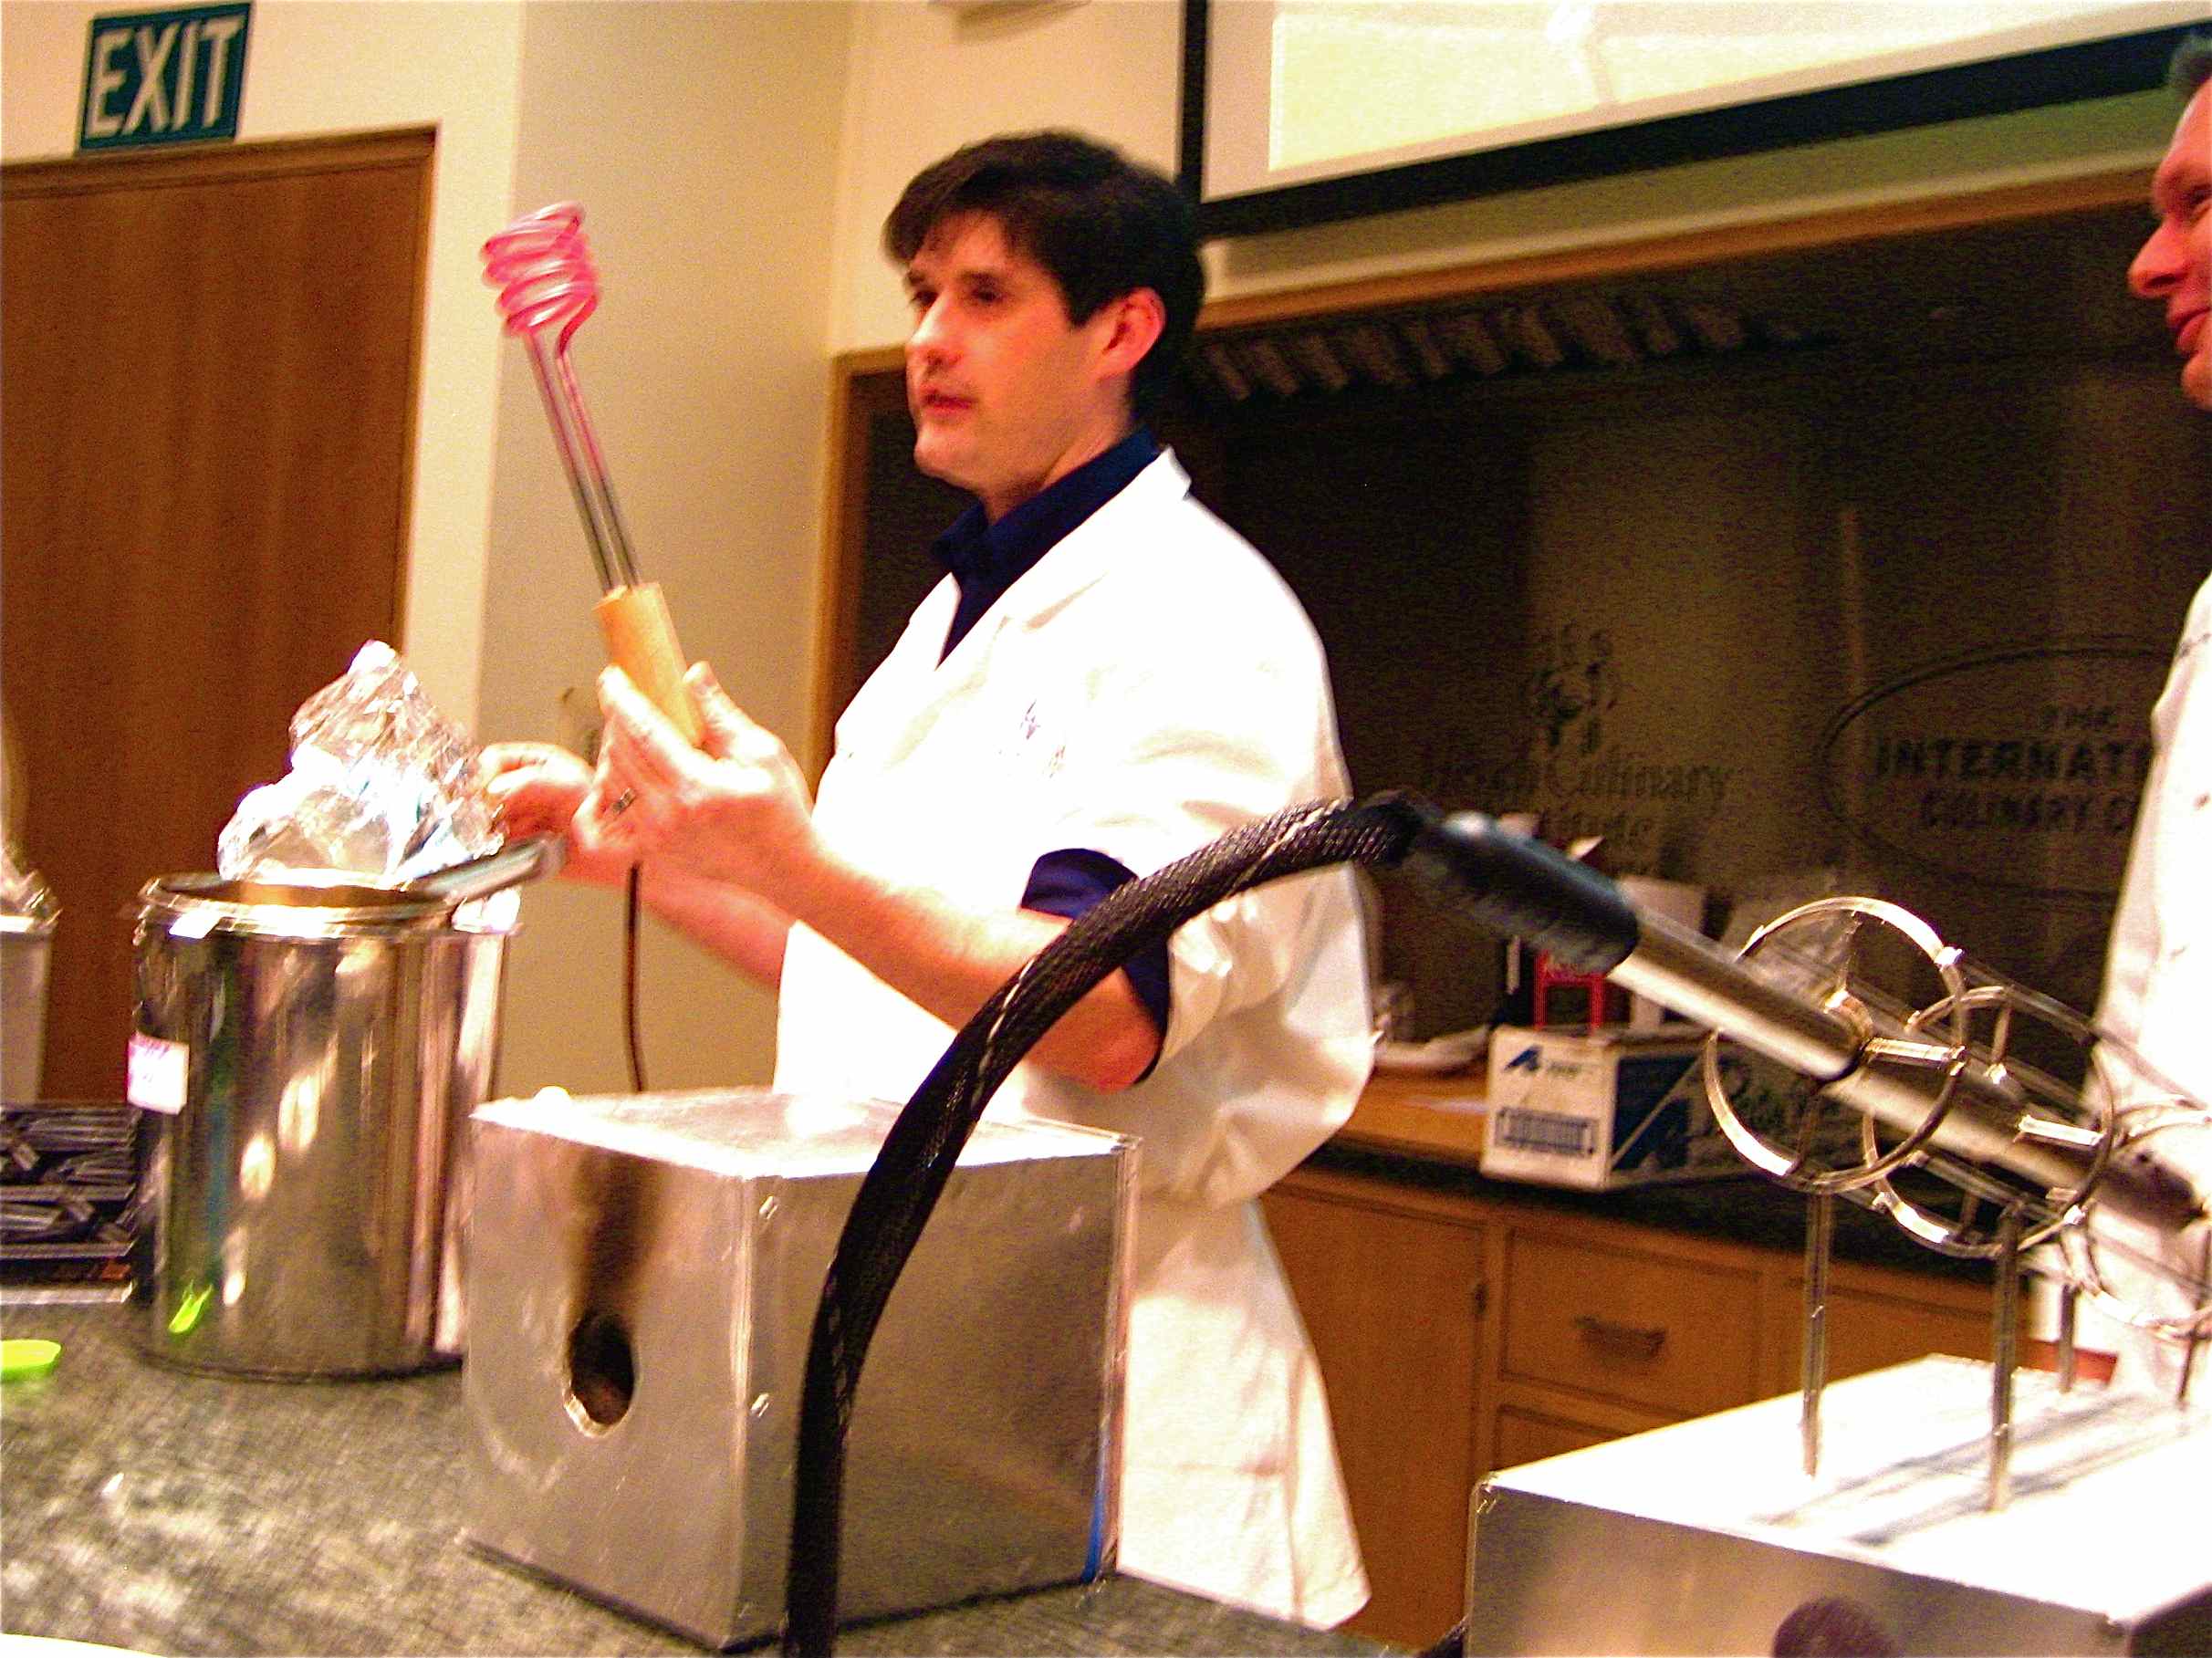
(927,77)
(699,139)
(348,66)
(702,139)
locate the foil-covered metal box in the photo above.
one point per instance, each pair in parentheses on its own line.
(643,1272)
(1707,1537)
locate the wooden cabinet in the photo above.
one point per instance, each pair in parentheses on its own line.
(1402,1389)
(1525,1435)
(1464,1331)
(1871,1327)
(1634,1326)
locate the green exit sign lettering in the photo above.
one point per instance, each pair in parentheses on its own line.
(165,77)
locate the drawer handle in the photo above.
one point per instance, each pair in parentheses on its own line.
(1640,1340)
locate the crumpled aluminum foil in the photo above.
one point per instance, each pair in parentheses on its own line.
(24,893)
(381,789)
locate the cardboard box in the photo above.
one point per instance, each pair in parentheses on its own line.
(1598,1108)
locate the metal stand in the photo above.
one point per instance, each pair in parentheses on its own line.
(2070,1302)
(2005,1317)
(2196,1340)
(1820,1244)
(2005,1347)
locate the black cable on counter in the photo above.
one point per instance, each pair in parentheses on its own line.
(902,1186)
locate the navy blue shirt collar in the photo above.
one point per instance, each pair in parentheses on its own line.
(986,558)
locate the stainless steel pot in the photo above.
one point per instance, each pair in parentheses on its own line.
(310,1056)
(24,941)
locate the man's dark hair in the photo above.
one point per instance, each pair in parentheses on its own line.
(1099,223)
(2192,65)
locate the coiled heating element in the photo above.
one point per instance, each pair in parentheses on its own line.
(542,266)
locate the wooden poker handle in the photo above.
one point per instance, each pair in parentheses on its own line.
(641,643)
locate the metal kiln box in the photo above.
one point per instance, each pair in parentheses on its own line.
(1707,1537)
(644,1274)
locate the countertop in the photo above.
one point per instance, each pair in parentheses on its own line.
(1748,1209)
(169,1512)
(1427,1132)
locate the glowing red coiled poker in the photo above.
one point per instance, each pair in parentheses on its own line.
(541,265)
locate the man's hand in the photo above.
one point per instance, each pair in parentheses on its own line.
(735,810)
(536,788)
(725,834)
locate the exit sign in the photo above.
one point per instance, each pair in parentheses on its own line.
(165,77)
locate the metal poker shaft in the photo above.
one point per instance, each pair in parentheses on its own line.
(611,557)
(1521,888)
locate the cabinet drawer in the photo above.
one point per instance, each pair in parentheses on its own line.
(1526,1436)
(1866,1332)
(1677,1336)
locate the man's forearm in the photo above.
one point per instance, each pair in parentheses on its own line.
(744,929)
(949,960)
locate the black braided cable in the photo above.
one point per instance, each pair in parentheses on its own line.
(631,1040)
(901,1187)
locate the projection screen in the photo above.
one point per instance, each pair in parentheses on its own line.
(1300,111)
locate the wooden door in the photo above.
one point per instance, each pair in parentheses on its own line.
(208,430)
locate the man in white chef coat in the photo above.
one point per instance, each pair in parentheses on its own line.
(1107,679)
(2158,993)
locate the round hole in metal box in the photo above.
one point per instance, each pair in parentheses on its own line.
(1834,1625)
(602,1372)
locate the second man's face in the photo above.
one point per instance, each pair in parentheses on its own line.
(1006,394)
(2175,264)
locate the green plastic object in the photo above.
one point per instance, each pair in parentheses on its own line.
(22,1356)
(186,1318)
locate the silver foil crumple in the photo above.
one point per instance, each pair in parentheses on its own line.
(24,893)
(382,788)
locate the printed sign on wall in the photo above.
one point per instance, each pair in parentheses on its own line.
(165,77)
(2017,767)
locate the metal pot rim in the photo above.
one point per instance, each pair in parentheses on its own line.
(291,910)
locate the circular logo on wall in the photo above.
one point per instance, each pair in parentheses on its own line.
(2018,767)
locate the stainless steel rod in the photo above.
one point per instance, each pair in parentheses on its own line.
(2005,1358)
(1691,975)
(567,441)
(1819,1247)
(578,446)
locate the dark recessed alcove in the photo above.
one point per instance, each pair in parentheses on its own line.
(1843,552)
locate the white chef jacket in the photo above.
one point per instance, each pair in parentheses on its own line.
(2157,995)
(1147,686)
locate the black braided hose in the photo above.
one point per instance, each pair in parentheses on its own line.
(902,1186)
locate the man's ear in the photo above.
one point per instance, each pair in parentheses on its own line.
(1135,322)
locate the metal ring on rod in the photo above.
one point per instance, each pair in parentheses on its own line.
(2060,1206)
(2079,1244)
(1791,1168)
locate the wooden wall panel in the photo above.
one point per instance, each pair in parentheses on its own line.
(209,404)
(1392,1301)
